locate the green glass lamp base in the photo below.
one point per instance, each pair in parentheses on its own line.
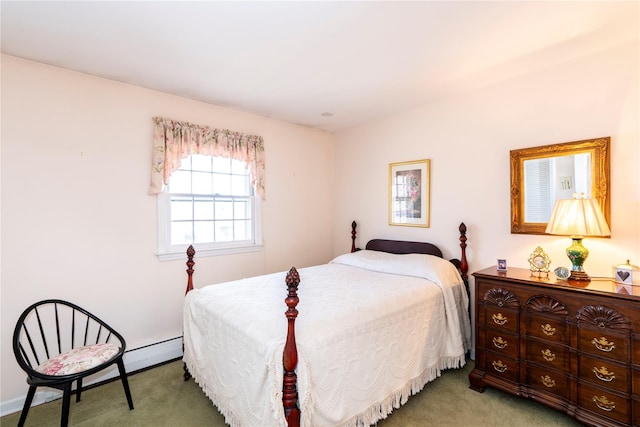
(578,254)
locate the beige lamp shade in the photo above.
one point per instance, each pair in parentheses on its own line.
(577,217)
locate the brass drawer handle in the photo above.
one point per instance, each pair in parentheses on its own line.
(548,329)
(603,344)
(603,374)
(499,342)
(603,403)
(547,355)
(499,366)
(499,319)
(548,381)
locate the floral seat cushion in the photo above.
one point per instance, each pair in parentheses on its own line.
(79,359)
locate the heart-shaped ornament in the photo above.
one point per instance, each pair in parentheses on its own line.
(623,275)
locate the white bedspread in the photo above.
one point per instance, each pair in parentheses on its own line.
(366,339)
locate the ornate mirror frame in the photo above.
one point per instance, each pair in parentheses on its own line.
(600,165)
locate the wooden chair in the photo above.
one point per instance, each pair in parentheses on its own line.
(58,343)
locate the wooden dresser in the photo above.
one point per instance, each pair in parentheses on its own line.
(573,347)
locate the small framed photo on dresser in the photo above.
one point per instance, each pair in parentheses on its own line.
(502,265)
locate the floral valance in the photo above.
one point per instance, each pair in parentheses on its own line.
(174,141)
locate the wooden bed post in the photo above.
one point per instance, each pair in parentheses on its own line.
(464,266)
(353,236)
(190,263)
(290,354)
(191,252)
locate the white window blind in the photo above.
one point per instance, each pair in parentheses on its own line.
(537,176)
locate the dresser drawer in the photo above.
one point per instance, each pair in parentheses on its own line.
(636,411)
(502,319)
(636,381)
(503,343)
(605,373)
(498,365)
(636,350)
(548,380)
(552,329)
(548,354)
(604,343)
(604,402)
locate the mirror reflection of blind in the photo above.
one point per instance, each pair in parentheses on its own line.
(537,190)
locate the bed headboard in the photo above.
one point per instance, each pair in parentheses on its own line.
(401,247)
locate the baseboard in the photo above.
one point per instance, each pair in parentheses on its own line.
(134,360)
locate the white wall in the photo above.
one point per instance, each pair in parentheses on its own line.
(78,224)
(468,138)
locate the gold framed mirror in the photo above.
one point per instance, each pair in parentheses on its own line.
(542,175)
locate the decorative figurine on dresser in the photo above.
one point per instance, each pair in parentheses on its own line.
(571,345)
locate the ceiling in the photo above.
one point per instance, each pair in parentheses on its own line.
(328,65)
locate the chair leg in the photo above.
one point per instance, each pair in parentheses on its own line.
(66,403)
(125,382)
(78,389)
(27,405)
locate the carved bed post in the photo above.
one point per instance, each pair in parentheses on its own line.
(190,263)
(353,236)
(191,252)
(464,266)
(290,354)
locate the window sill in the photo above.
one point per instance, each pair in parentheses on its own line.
(200,253)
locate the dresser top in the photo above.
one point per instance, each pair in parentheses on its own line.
(596,285)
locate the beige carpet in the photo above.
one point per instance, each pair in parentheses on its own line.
(161,398)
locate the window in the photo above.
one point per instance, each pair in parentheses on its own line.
(211,204)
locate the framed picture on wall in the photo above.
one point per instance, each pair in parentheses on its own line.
(409,193)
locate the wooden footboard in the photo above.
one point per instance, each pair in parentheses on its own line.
(292,280)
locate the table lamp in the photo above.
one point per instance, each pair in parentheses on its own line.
(578,218)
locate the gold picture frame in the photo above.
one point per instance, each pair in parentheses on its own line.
(409,185)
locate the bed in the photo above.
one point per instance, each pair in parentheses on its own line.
(360,335)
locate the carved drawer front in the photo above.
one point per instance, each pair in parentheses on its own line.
(604,343)
(500,366)
(636,381)
(636,411)
(604,402)
(547,328)
(548,380)
(502,308)
(547,354)
(547,318)
(503,343)
(502,319)
(605,373)
(605,332)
